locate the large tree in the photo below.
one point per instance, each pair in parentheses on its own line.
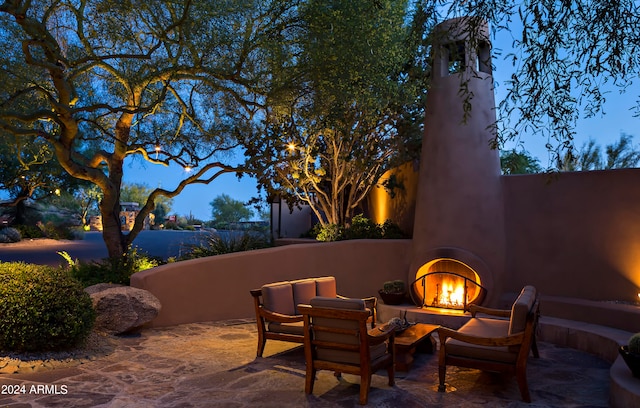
(30,172)
(104,80)
(344,104)
(618,155)
(226,210)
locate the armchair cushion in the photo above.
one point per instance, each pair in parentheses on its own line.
(303,291)
(521,308)
(342,356)
(278,297)
(326,287)
(288,328)
(482,328)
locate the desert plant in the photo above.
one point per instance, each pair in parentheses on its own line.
(41,309)
(9,235)
(634,344)
(109,270)
(395,286)
(29,231)
(362,228)
(217,245)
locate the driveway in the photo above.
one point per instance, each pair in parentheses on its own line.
(163,244)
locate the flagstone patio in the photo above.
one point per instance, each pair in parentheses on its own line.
(214,365)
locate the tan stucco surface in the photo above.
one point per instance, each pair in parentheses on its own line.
(217,288)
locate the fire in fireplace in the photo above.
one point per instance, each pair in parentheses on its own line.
(447,283)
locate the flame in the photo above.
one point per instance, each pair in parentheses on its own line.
(451,293)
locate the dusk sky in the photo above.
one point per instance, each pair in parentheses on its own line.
(604,129)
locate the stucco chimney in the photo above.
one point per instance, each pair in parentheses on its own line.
(459,206)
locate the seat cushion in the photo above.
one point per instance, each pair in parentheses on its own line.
(278,297)
(326,286)
(303,291)
(340,356)
(482,328)
(521,308)
(287,328)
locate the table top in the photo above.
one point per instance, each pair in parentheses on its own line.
(414,334)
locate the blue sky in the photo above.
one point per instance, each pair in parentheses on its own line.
(605,129)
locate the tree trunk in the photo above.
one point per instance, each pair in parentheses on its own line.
(112,234)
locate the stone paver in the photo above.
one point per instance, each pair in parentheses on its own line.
(214,365)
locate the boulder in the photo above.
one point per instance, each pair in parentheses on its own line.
(122,309)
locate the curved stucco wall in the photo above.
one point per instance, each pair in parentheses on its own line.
(217,288)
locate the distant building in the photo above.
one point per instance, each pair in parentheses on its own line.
(128,213)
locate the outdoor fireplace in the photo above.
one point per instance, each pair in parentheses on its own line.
(447,283)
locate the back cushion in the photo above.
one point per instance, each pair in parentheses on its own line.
(521,308)
(303,291)
(340,356)
(278,297)
(326,286)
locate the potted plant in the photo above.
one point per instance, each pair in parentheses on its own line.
(631,354)
(393,292)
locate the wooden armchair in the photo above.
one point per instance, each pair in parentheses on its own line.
(276,307)
(337,339)
(494,344)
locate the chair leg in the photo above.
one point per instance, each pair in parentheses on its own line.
(309,380)
(534,347)
(391,372)
(521,377)
(261,343)
(442,372)
(365,385)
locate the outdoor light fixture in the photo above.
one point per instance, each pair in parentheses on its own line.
(291,146)
(157,148)
(188,168)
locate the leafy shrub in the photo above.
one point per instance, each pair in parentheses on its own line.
(9,235)
(170,225)
(29,231)
(330,232)
(55,231)
(234,242)
(361,228)
(41,309)
(391,230)
(109,270)
(634,344)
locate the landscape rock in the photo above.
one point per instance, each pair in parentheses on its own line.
(122,309)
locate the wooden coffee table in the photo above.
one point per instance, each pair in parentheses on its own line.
(416,337)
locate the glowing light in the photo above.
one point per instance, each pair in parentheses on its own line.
(291,146)
(188,168)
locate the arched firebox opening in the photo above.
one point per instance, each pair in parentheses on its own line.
(447,283)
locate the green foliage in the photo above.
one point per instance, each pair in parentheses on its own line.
(395,286)
(226,210)
(56,231)
(618,155)
(41,309)
(514,162)
(29,231)
(330,232)
(233,242)
(344,106)
(9,235)
(634,343)
(109,270)
(360,228)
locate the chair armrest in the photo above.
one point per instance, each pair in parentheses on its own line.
(512,340)
(474,309)
(380,334)
(279,317)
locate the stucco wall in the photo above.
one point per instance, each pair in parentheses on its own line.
(217,288)
(574,234)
